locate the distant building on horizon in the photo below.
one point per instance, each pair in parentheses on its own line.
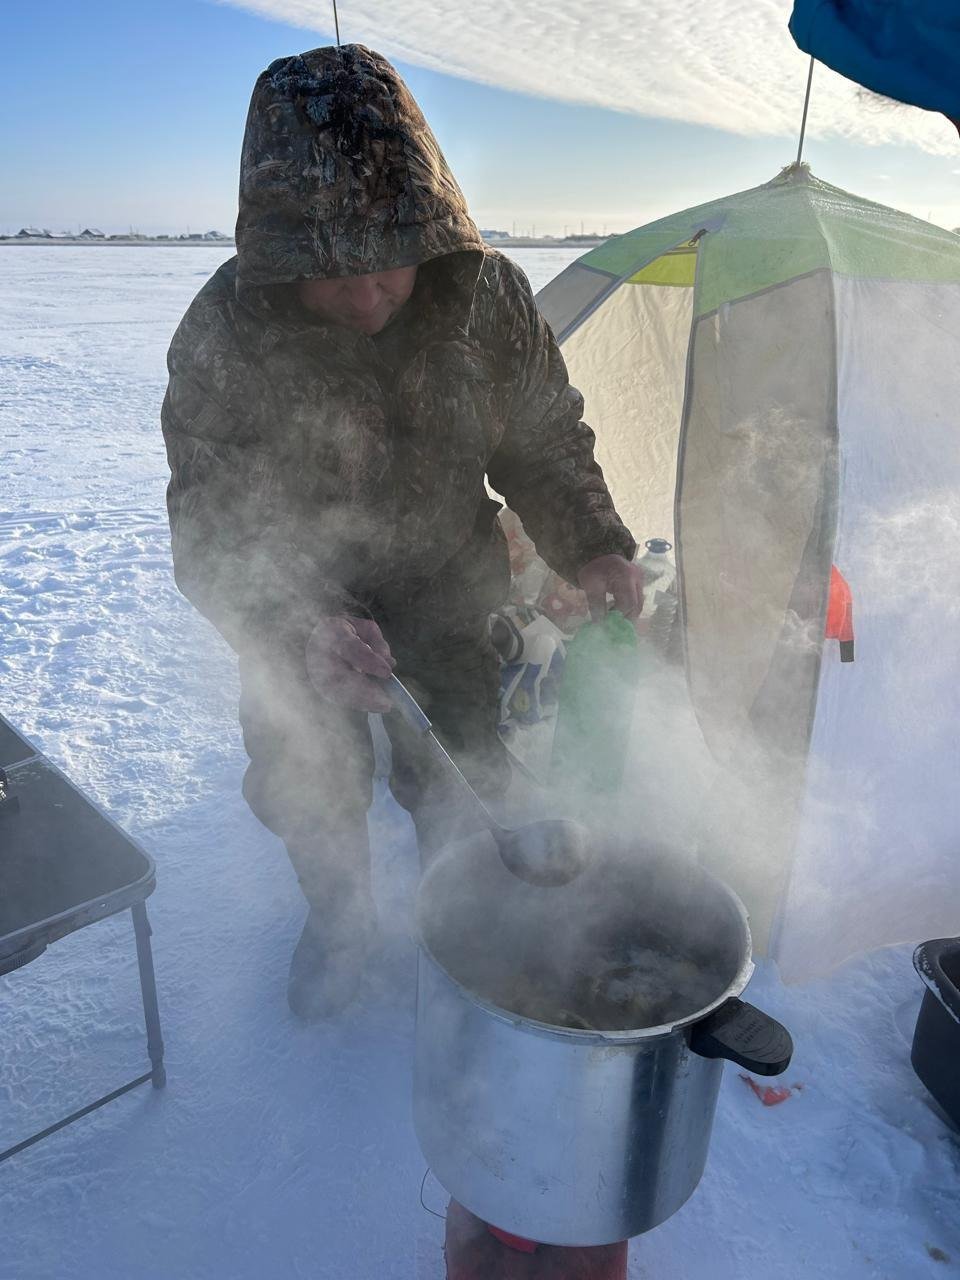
(203,235)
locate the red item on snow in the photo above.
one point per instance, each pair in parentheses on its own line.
(769,1094)
(840,614)
(475,1251)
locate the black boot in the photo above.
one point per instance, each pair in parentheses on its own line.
(329,961)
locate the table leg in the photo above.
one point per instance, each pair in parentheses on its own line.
(148,987)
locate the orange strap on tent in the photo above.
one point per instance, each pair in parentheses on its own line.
(840,614)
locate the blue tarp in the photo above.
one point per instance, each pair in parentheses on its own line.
(904,49)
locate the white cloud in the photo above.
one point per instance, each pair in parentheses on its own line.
(726,63)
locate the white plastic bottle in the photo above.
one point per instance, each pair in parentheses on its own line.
(659,591)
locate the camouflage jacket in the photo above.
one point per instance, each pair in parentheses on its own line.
(315,469)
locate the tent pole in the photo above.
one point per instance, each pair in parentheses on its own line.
(806,106)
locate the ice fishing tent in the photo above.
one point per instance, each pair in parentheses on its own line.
(773,380)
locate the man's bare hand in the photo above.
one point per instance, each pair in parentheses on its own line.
(612,575)
(346,659)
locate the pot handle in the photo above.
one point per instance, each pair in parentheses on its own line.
(743,1034)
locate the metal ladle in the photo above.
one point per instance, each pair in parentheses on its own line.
(548,854)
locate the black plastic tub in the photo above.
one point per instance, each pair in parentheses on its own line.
(936,1040)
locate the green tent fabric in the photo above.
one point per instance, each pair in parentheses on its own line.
(771,233)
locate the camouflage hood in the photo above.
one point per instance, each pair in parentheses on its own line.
(341,175)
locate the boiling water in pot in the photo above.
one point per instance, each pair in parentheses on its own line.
(634,943)
(641,987)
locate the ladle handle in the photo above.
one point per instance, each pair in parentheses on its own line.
(407,705)
(419,721)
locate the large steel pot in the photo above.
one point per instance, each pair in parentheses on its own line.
(560,1133)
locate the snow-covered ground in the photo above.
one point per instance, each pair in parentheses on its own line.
(278,1150)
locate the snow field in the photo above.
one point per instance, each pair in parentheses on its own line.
(276,1150)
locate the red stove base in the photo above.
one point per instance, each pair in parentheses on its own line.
(473,1252)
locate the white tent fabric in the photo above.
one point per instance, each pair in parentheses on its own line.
(631,353)
(790,406)
(877,855)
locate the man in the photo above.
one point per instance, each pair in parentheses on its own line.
(338,393)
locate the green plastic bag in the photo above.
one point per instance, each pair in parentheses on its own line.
(595,708)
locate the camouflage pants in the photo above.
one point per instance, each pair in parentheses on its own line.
(310,778)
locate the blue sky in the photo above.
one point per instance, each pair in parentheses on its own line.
(118,115)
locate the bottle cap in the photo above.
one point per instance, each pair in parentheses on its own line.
(658,545)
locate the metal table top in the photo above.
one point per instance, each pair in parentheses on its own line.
(63,862)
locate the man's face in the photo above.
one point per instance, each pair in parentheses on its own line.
(365,303)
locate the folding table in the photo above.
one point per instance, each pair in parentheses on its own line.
(65,865)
